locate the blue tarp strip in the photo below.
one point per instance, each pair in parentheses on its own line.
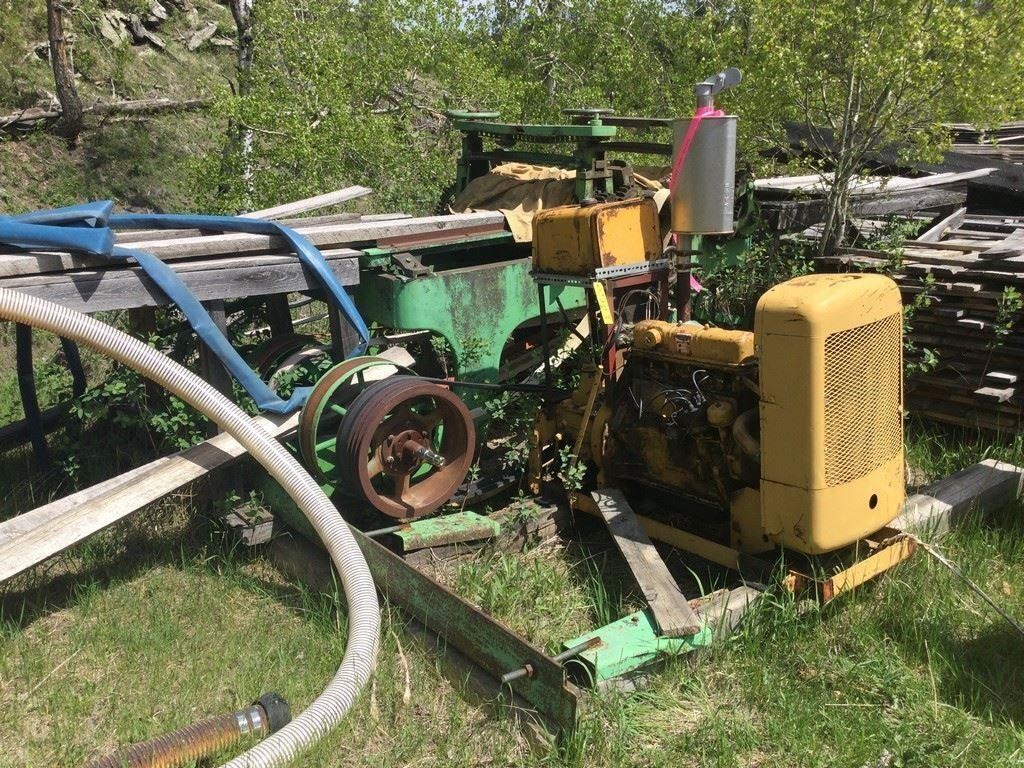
(88,229)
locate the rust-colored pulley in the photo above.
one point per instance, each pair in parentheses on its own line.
(405,446)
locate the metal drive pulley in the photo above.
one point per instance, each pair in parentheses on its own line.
(375,431)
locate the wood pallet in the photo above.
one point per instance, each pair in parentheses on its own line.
(972,261)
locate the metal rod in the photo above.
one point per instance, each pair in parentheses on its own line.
(29,399)
(526,670)
(433,458)
(486,385)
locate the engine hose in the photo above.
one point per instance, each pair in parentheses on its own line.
(743,434)
(364,613)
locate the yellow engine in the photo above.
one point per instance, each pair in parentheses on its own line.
(794,430)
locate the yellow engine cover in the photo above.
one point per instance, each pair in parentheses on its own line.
(830,350)
(576,240)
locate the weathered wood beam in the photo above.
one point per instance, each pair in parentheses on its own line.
(130,287)
(668,604)
(31,538)
(307,204)
(991,484)
(935,232)
(237,244)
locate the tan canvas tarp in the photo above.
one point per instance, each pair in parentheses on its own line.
(519,190)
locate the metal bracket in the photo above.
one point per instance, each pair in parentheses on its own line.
(602,273)
(707,89)
(410,265)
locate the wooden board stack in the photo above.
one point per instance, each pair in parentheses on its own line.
(790,203)
(974,325)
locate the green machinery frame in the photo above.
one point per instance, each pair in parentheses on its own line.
(593,133)
(477,292)
(474,296)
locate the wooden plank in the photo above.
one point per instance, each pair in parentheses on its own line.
(1008,177)
(988,485)
(233,244)
(310,203)
(795,215)
(934,233)
(669,605)
(1009,248)
(1001,377)
(127,236)
(279,315)
(129,287)
(31,538)
(278,213)
(211,369)
(1000,395)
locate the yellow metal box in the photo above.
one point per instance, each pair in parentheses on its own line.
(831,382)
(576,240)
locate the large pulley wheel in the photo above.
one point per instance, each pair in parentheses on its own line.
(328,403)
(405,446)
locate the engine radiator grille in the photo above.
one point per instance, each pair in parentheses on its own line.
(863,399)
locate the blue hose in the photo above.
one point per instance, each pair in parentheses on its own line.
(89,229)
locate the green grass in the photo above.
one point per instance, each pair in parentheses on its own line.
(544,593)
(157,623)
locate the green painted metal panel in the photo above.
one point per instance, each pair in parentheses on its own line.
(542,131)
(490,644)
(474,308)
(630,643)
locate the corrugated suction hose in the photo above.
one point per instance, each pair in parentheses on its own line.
(364,612)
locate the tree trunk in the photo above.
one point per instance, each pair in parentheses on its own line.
(242,11)
(69,125)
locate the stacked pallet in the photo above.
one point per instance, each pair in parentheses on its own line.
(971,268)
(1004,142)
(791,203)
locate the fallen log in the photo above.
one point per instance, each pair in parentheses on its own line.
(28,118)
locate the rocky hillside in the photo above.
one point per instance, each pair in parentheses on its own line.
(181,50)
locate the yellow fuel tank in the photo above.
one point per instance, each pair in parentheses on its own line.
(576,240)
(831,387)
(694,342)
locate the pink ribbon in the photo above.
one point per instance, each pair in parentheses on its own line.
(684,146)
